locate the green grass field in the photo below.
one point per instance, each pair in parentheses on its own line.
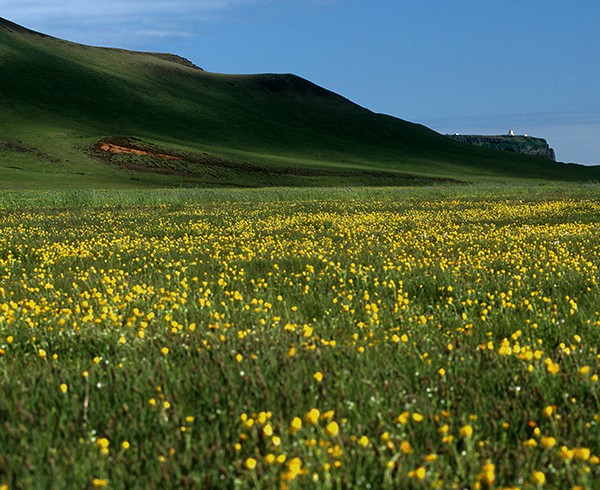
(59,99)
(433,337)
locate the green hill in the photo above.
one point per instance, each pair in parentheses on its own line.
(80,116)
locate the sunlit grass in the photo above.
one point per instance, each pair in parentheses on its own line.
(293,339)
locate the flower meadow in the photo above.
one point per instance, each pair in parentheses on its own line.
(401,341)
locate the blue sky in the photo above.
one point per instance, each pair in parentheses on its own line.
(465,66)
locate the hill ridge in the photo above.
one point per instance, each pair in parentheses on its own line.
(10,26)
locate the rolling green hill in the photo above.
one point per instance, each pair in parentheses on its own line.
(80,116)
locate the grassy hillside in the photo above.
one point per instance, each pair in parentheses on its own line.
(60,101)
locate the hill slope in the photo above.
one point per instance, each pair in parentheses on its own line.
(73,115)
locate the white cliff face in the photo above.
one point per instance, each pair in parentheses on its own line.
(526,145)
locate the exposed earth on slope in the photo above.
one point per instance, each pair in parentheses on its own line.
(114,148)
(135,154)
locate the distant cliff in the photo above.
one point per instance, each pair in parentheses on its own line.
(517,144)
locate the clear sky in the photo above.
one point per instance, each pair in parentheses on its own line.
(457,66)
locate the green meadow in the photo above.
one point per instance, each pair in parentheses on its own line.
(432,337)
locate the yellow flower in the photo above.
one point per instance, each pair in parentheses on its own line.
(538,478)
(42,354)
(419,473)
(295,467)
(405,447)
(332,429)
(268,430)
(584,371)
(363,441)
(63,388)
(250,463)
(487,475)
(565,453)
(318,376)
(125,445)
(466,431)
(551,366)
(328,415)
(99,482)
(103,442)
(548,411)
(548,442)
(417,417)
(164,351)
(312,416)
(505,349)
(295,425)
(582,453)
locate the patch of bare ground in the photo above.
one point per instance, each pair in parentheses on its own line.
(113,148)
(135,154)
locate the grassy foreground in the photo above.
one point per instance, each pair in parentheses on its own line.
(426,338)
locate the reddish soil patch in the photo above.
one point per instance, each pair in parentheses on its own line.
(113,148)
